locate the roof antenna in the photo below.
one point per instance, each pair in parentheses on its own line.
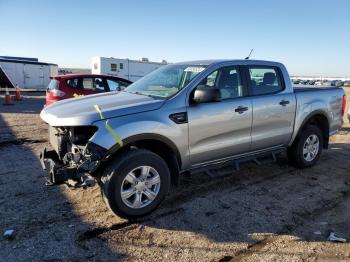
(251,51)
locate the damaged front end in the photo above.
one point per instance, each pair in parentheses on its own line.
(74,159)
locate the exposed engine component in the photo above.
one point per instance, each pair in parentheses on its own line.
(74,157)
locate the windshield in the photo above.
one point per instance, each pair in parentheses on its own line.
(165,81)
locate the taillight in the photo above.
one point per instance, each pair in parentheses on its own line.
(343,105)
(57,93)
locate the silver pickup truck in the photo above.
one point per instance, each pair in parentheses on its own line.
(181,117)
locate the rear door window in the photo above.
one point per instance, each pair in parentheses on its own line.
(87,84)
(265,80)
(73,83)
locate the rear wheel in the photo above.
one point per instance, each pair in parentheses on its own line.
(136,183)
(306,150)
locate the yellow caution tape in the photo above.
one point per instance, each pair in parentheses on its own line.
(109,128)
(77,96)
(98,109)
(114,134)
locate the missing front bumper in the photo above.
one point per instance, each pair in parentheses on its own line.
(57,173)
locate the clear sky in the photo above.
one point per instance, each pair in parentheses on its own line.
(312,37)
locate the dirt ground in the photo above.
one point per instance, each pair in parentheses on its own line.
(272,212)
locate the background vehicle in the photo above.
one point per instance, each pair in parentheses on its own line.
(326,83)
(333,83)
(339,83)
(68,86)
(182,117)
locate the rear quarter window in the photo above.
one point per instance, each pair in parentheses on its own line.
(53,84)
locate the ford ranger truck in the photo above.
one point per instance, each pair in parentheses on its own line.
(135,143)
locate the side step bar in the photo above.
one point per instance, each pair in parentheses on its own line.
(260,159)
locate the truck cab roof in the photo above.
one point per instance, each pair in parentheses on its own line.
(238,61)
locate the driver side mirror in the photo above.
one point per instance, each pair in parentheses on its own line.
(203,94)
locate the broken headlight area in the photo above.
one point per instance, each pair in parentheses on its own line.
(70,139)
(74,158)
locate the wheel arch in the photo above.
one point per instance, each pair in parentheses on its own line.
(320,119)
(155,143)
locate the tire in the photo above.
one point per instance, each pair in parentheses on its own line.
(296,151)
(124,174)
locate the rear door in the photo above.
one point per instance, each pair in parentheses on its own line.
(220,129)
(273,107)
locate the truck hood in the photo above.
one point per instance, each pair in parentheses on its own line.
(81,111)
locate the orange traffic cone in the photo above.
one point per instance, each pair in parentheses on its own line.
(8,99)
(18,96)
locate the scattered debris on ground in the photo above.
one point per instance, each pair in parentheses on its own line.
(9,234)
(332,237)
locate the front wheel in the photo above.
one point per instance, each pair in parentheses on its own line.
(306,150)
(136,183)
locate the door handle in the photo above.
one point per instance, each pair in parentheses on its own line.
(284,102)
(241,109)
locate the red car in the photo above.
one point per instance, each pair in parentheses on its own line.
(67,86)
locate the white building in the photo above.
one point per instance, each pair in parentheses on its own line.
(26,72)
(124,68)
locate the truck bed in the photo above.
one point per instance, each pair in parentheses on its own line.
(325,99)
(304,89)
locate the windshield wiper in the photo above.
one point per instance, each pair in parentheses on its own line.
(143,94)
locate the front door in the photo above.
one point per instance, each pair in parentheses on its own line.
(220,129)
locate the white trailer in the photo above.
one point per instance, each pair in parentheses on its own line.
(27,72)
(124,68)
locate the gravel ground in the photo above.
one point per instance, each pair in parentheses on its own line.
(260,213)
